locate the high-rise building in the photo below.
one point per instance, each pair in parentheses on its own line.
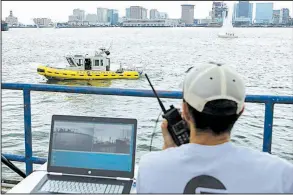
(91,18)
(138,12)
(284,16)
(135,12)
(11,20)
(102,15)
(144,13)
(217,11)
(80,14)
(276,16)
(242,12)
(127,15)
(250,12)
(113,16)
(154,14)
(243,9)
(264,13)
(187,14)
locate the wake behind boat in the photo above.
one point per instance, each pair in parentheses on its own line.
(86,67)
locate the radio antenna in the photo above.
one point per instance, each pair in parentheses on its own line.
(160,102)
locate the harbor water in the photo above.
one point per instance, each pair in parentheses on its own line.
(263,56)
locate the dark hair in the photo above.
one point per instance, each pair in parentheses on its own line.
(219,122)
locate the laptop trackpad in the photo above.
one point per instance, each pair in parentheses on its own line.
(73,184)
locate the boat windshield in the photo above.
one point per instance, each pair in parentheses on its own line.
(70,61)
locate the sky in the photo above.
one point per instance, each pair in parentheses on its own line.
(60,10)
(111,130)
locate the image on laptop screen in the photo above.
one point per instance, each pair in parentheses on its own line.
(93,145)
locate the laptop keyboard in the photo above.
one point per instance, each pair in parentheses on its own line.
(58,186)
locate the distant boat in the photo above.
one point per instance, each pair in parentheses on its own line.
(4,26)
(227,27)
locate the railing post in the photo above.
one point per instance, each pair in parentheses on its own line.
(268,127)
(27,131)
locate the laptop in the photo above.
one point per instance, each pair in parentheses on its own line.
(90,155)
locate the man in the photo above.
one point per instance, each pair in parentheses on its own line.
(213,100)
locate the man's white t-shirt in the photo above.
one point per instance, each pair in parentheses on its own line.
(225,168)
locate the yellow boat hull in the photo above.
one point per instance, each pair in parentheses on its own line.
(94,83)
(64,74)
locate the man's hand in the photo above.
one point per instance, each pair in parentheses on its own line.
(168,141)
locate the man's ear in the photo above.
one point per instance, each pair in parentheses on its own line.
(241,111)
(185,112)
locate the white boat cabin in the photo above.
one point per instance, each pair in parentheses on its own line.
(99,61)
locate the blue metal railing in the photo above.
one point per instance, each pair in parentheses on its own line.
(269,102)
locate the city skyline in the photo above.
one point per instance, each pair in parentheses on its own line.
(78,127)
(59,11)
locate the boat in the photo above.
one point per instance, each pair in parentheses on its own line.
(85,67)
(226,30)
(227,35)
(94,83)
(4,26)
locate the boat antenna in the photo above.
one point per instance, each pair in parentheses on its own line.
(110,45)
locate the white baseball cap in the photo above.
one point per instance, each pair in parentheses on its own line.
(213,81)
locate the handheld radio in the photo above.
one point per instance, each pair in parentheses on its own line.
(177,127)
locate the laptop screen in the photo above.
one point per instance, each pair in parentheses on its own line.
(92,145)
